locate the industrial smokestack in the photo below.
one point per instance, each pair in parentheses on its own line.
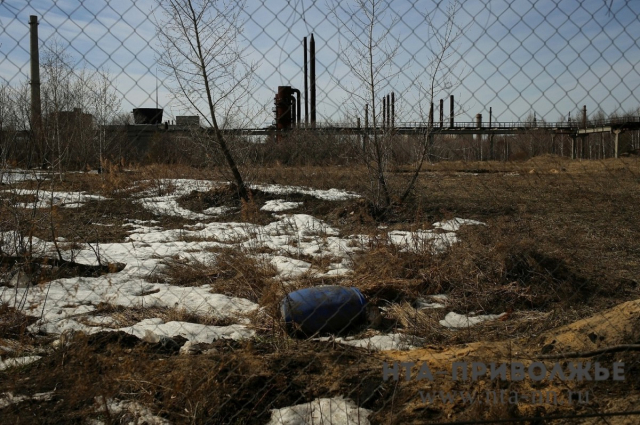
(451,111)
(393,110)
(306,85)
(431,115)
(388,111)
(36,108)
(312,77)
(384,111)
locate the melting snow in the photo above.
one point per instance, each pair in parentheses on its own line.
(394,341)
(327,195)
(140,413)
(7,399)
(192,331)
(18,361)
(325,411)
(456,321)
(287,243)
(45,199)
(277,205)
(454,224)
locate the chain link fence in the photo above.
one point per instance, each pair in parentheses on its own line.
(319,212)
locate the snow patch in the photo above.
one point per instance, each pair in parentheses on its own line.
(7,399)
(454,224)
(277,205)
(194,332)
(395,341)
(457,321)
(325,411)
(326,195)
(18,361)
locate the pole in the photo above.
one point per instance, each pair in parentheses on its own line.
(306,85)
(451,111)
(393,109)
(36,107)
(312,77)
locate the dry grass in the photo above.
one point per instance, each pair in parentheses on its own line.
(234,272)
(560,244)
(129,316)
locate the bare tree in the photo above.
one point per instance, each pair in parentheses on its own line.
(202,56)
(369,53)
(442,74)
(105,104)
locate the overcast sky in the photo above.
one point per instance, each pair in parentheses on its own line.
(517,57)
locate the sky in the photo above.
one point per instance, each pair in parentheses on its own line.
(517,57)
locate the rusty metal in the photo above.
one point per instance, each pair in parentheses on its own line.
(287,108)
(283,108)
(312,77)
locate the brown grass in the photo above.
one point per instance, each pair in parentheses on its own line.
(561,244)
(233,272)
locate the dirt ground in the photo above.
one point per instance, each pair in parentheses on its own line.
(559,255)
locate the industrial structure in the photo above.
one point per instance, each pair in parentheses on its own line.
(288,115)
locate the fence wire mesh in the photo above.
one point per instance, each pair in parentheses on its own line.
(319,212)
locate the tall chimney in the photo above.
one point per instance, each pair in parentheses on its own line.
(306,85)
(36,108)
(431,115)
(312,77)
(441,113)
(388,111)
(393,109)
(384,111)
(451,111)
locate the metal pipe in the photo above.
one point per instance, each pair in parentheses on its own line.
(388,111)
(384,111)
(441,113)
(451,111)
(431,115)
(36,106)
(490,113)
(312,77)
(298,117)
(294,116)
(306,85)
(393,110)
(366,117)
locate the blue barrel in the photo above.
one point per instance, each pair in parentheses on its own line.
(323,309)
